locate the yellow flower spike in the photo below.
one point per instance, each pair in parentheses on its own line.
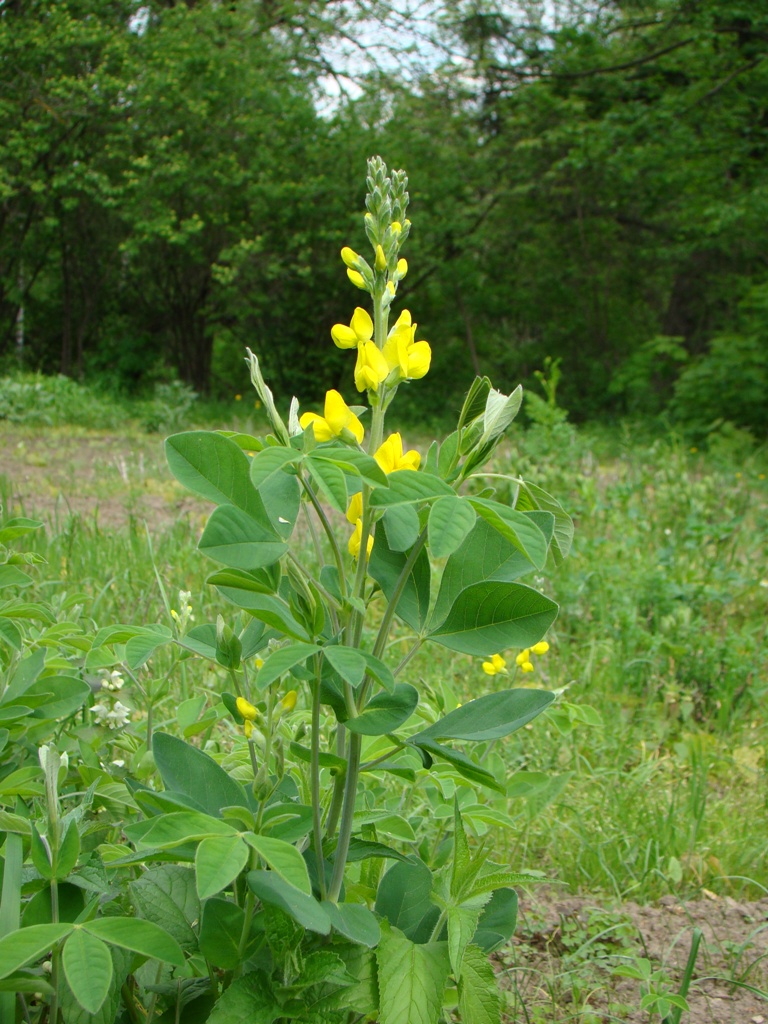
(371,368)
(523,656)
(355,510)
(495,665)
(356,540)
(350,257)
(357,280)
(381,259)
(390,455)
(359,331)
(246,709)
(540,648)
(289,700)
(338,418)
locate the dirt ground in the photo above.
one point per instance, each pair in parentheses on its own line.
(560,965)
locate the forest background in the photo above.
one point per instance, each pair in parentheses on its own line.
(589,182)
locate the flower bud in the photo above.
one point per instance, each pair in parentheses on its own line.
(396,227)
(402,269)
(357,280)
(381,259)
(540,648)
(246,709)
(350,257)
(289,700)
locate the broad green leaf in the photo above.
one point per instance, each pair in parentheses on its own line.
(412,979)
(362,849)
(331,482)
(450,520)
(188,770)
(402,526)
(405,486)
(478,989)
(250,595)
(350,663)
(220,929)
(353,462)
(218,862)
(69,851)
(247,442)
(270,461)
(475,400)
(488,617)
(141,937)
(10,576)
(500,410)
(10,634)
(461,867)
(386,711)
(283,660)
(168,830)
(463,764)
(497,921)
(18,527)
(518,528)
(403,896)
(281,495)
(381,673)
(462,924)
(248,999)
(235,539)
(354,921)
(385,566)
(284,859)
(73,1012)
(489,717)
(64,695)
(531,497)
(21,947)
(390,824)
(166,895)
(139,649)
(215,468)
(305,910)
(88,967)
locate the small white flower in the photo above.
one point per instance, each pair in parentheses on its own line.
(119,763)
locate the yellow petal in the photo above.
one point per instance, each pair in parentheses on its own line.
(361,324)
(343,336)
(350,257)
(385,456)
(419,358)
(337,412)
(527,666)
(411,460)
(355,427)
(523,656)
(357,280)
(381,259)
(321,429)
(371,368)
(289,700)
(540,648)
(355,510)
(402,269)
(356,539)
(246,709)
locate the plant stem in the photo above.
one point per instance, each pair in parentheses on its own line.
(317,824)
(328,531)
(347,815)
(402,579)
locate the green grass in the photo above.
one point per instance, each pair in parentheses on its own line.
(662,632)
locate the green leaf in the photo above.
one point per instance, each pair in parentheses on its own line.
(497,921)
(355,922)
(350,663)
(281,495)
(18,527)
(218,862)
(362,849)
(235,539)
(69,851)
(139,936)
(10,634)
(462,924)
(404,896)
(270,461)
(385,712)
(402,527)
(385,567)
(489,717)
(530,497)
(186,769)
(220,930)
(283,660)
(488,617)
(463,764)
(406,485)
(19,948)
(518,528)
(412,979)
(215,468)
(88,968)
(63,696)
(450,520)
(177,827)
(284,859)
(10,576)
(139,649)
(330,480)
(250,594)
(478,991)
(354,463)
(250,999)
(166,895)
(305,910)
(461,868)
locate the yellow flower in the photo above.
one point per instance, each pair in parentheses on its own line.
(338,418)
(402,269)
(526,666)
(350,257)
(356,540)
(540,648)
(238,398)
(246,709)
(359,331)
(410,359)
(289,700)
(390,455)
(495,665)
(371,368)
(248,728)
(355,510)
(357,279)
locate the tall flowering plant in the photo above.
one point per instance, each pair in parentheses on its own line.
(326,919)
